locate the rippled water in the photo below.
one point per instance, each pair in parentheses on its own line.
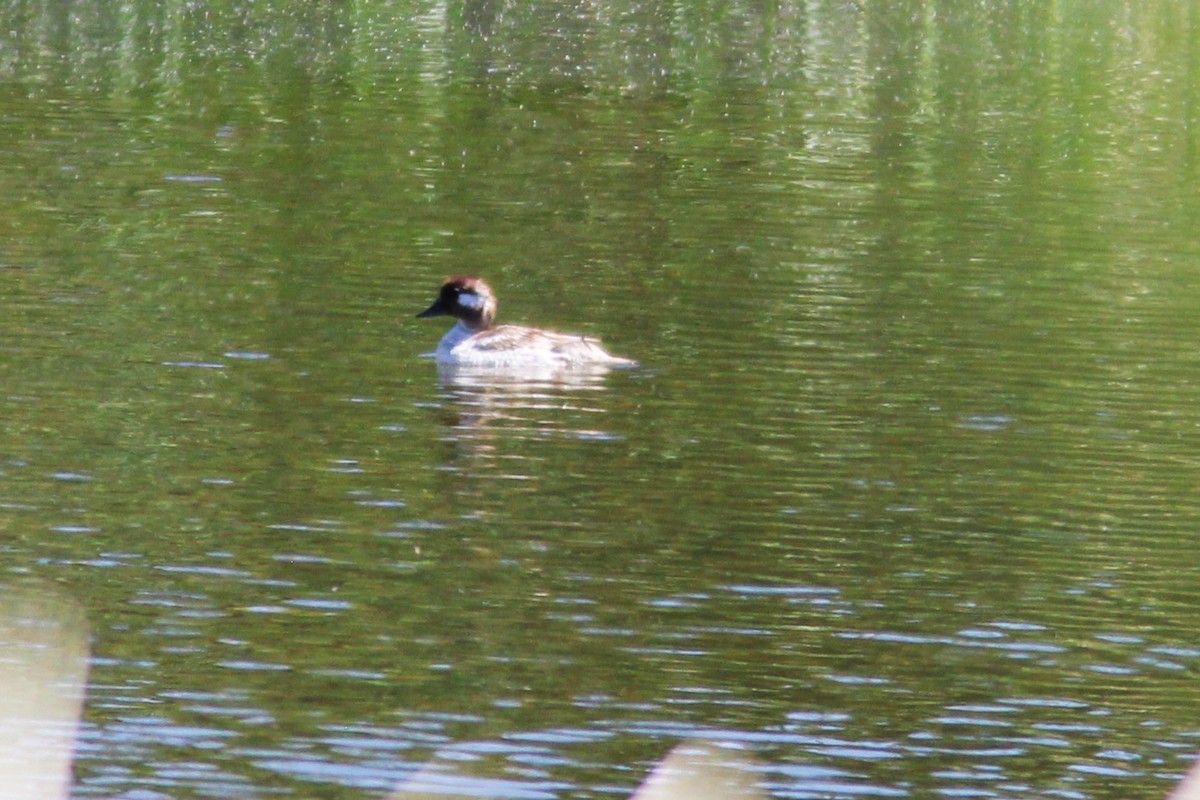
(901,498)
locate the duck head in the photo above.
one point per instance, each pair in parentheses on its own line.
(469,299)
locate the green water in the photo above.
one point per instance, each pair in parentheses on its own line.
(903,496)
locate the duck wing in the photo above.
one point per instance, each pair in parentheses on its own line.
(507,338)
(565,347)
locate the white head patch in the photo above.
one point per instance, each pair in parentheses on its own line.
(471,300)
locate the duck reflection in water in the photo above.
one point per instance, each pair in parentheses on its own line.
(490,412)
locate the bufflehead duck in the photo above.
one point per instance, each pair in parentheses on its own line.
(475,342)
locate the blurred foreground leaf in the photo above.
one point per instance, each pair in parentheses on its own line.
(693,770)
(43,672)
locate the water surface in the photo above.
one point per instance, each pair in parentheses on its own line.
(900,499)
